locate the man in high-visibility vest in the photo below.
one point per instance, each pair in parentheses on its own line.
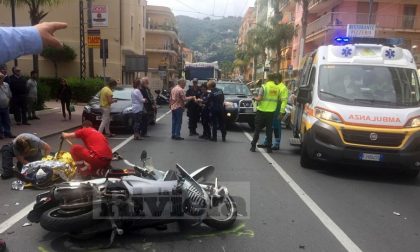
(267,99)
(278,114)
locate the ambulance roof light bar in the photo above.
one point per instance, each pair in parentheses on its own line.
(383,41)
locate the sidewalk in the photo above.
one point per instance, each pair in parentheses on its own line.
(51,122)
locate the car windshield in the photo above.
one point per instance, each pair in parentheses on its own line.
(234,89)
(373,86)
(119,94)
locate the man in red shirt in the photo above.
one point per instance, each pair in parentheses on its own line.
(94,159)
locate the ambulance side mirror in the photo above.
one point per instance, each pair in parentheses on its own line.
(304,95)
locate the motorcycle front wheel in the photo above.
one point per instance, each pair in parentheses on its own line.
(224,215)
(58,220)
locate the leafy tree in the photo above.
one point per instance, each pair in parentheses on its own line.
(36,14)
(59,55)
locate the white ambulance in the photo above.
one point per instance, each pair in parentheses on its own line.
(360,104)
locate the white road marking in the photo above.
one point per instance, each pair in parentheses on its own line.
(24,212)
(15,218)
(335,230)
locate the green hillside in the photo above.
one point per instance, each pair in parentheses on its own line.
(211,39)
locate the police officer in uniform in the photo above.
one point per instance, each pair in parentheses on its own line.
(267,103)
(205,112)
(216,101)
(193,108)
(278,114)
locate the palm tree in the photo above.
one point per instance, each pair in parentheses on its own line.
(257,41)
(304,21)
(36,14)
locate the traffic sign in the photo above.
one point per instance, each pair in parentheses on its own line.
(94,38)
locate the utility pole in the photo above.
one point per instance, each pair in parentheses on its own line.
(90,50)
(13,7)
(82,41)
(370,11)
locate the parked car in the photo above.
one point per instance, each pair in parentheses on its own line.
(238,102)
(120,111)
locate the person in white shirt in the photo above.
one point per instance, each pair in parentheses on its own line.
(137,101)
(5,96)
(32,97)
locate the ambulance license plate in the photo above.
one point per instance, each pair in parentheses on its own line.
(371,157)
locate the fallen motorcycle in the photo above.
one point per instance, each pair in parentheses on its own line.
(149,198)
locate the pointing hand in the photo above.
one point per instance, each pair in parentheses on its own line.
(47,29)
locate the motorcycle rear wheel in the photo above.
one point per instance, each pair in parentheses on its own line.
(57,220)
(226,223)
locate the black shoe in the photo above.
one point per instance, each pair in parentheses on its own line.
(26,123)
(269,150)
(203,137)
(262,145)
(252,148)
(6,176)
(173,137)
(275,148)
(179,138)
(213,139)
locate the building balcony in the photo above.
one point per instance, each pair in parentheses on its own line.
(163,51)
(167,32)
(339,20)
(152,26)
(316,6)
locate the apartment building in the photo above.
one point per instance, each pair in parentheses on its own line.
(248,22)
(328,19)
(125,31)
(163,48)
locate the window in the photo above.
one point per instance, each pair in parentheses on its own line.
(409,16)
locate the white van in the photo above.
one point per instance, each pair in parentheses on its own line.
(359,104)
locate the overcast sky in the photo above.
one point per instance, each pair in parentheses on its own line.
(205,8)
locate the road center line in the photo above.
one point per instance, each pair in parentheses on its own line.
(5,225)
(335,230)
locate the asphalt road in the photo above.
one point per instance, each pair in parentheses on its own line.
(333,208)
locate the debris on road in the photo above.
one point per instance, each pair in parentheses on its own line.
(301,246)
(10,232)
(27,224)
(396,213)
(17,204)
(18,185)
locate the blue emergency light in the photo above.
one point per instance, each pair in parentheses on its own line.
(342,39)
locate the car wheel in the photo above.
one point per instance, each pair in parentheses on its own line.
(129,123)
(411,173)
(305,160)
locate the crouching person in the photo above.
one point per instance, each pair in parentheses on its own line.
(26,148)
(94,158)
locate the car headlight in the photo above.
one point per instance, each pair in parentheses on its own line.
(88,109)
(327,115)
(229,105)
(128,110)
(413,123)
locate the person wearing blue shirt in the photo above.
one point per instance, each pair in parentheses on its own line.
(18,41)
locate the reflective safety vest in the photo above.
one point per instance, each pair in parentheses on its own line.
(270,98)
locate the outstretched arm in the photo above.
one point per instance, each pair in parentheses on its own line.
(18,41)
(68,135)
